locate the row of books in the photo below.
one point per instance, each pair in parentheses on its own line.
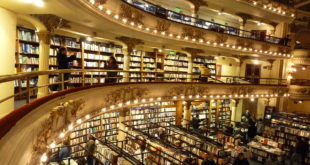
(175,69)
(176,63)
(28,60)
(28,48)
(27,35)
(97,47)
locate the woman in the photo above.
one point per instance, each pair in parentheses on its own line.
(111,65)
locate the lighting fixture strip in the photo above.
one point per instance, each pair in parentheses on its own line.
(272,9)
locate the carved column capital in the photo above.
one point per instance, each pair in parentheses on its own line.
(130,42)
(244,17)
(45,36)
(52,22)
(197,4)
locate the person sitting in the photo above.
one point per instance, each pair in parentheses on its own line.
(241,160)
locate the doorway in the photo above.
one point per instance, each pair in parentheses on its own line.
(252,73)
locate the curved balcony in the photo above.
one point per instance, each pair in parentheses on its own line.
(201,23)
(137,20)
(34,126)
(300,89)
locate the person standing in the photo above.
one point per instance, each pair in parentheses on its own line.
(260,127)
(63,62)
(300,152)
(90,149)
(195,122)
(111,65)
(241,160)
(208,160)
(64,151)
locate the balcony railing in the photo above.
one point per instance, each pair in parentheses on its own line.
(300,82)
(26,83)
(201,23)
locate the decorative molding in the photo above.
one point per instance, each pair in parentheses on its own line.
(59,117)
(221,38)
(124,94)
(52,22)
(265,47)
(186,90)
(162,25)
(193,33)
(241,90)
(245,17)
(130,42)
(197,4)
(244,43)
(131,14)
(193,51)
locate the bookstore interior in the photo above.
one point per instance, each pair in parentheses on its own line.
(175,82)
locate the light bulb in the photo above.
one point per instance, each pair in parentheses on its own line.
(43,158)
(100,7)
(61,135)
(70,127)
(108,12)
(52,145)
(87,116)
(39,3)
(116,16)
(79,121)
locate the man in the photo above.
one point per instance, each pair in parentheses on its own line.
(90,149)
(64,151)
(63,62)
(195,122)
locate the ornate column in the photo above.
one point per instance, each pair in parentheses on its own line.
(7,56)
(121,135)
(187,114)
(44,50)
(130,43)
(243,20)
(196,5)
(192,53)
(51,23)
(179,113)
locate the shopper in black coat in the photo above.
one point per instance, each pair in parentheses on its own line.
(63,63)
(111,65)
(241,160)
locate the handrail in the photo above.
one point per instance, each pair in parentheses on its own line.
(61,83)
(191,21)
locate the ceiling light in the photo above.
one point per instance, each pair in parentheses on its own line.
(38,3)
(303,68)
(92,1)
(89,39)
(254,3)
(256,62)
(116,16)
